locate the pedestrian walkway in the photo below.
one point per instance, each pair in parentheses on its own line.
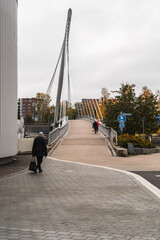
(82,145)
(75,201)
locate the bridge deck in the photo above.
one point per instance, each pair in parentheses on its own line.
(82,145)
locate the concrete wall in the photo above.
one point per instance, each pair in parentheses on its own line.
(8,78)
(25,145)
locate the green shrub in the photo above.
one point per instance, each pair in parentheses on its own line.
(136,140)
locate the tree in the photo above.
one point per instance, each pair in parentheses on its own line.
(72,113)
(124,102)
(29,119)
(43,111)
(102,104)
(146,111)
(158,99)
(142,108)
(49,114)
(105,93)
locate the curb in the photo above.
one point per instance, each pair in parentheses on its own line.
(140,179)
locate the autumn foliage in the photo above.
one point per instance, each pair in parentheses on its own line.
(136,140)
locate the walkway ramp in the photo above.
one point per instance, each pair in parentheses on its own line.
(83,145)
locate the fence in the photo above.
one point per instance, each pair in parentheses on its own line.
(107,131)
(37,127)
(58,132)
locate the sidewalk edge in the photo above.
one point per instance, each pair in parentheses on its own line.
(140,179)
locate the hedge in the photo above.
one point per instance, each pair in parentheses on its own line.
(136,140)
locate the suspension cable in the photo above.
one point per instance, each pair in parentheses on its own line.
(52,79)
(69,88)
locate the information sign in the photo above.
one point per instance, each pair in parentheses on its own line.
(121,125)
(127,114)
(121,118)
(158,117)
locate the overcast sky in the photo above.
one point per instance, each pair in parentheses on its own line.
(111,41)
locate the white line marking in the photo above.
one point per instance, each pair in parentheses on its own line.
(143,181)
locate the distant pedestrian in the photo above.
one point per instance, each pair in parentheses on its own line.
(95,126)
(39,150)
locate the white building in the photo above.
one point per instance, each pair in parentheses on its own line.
(8,78)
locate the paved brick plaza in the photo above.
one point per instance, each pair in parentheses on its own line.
(71,201)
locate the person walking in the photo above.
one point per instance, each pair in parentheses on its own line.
(95,126)
(39,150)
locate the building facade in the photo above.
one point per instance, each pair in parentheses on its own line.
(8,78)
(26,107)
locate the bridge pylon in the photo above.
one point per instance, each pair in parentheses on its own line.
(61,73)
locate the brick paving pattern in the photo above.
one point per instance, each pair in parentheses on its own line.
(70,201)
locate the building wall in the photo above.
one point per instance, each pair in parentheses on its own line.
(8,78)
(27,106)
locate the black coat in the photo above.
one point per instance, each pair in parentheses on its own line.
(95,125)
(39,148)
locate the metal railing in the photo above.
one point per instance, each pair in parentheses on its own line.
(58,132)
(107,131)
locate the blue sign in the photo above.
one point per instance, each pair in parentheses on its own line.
(127,114)
(121,125)
(121,118)
(157,122)
(158,117)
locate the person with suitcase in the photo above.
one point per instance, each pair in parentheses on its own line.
(39,150)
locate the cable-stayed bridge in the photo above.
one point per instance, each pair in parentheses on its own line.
(88,109)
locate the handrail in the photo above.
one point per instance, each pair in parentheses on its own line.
(58,132)
(107,131)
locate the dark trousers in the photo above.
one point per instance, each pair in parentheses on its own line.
(39,161)
(95,130)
